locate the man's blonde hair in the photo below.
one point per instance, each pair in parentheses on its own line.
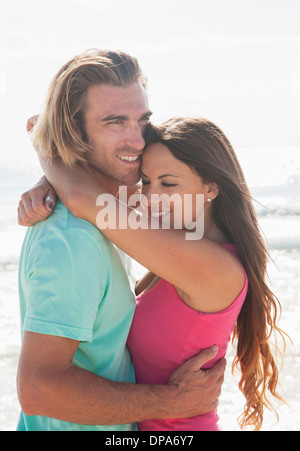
(60,129)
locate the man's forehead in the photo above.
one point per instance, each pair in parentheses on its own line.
(109,100)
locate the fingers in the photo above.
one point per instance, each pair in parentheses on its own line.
(36,204)
(214,379)
(32,209)
(217,372)
(24,219)
(199,387)
(50,200)
(203,358)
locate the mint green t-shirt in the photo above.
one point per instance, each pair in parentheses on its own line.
(73,284)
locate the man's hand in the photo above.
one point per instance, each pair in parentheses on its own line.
(50,385)
(197,390)
(37,204)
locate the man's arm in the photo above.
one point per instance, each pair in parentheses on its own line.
(50,385)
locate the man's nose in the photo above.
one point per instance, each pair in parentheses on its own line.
(135,138)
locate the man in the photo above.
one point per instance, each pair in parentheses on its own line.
(75,371)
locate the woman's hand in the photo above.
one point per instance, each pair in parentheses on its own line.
(37,204)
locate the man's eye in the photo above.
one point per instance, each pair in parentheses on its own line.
(115,123)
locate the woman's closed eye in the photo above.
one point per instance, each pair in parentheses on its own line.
(169,185)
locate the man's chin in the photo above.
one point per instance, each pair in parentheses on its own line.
(129,180)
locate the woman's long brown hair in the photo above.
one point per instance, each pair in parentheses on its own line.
(203,146)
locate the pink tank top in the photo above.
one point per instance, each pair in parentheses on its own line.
(166,332)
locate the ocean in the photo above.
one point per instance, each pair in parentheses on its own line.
(274,179)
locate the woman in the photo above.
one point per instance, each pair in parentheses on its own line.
(197,292)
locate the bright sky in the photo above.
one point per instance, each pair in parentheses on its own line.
(233,61)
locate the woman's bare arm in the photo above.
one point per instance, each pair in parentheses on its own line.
(185,264)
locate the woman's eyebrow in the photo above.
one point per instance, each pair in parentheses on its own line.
(161,176)
(168,175)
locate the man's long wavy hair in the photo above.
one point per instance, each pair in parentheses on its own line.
(203,146)
(60,129)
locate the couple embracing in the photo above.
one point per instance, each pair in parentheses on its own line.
(98,353)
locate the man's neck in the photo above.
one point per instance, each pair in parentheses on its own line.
(113,187)
(110,185)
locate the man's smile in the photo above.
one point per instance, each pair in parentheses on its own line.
(130,158)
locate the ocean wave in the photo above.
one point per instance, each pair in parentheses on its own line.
(9,264)
(284,243)
(281,200)
(277,211)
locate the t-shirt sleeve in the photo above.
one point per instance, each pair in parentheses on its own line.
(65,283)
